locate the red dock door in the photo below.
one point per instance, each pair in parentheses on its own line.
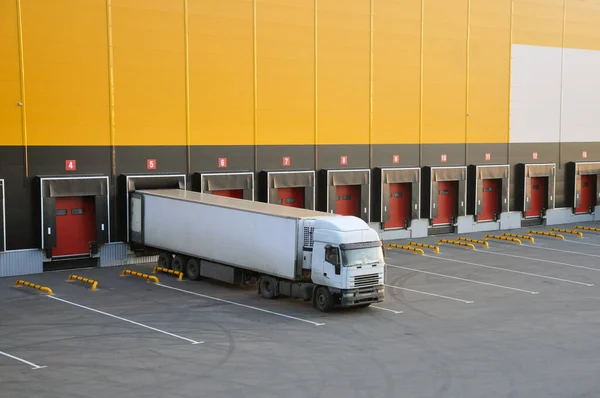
(230,193)
(588,193)
(75,225)
(490,199)
(400,197)
(539,193)
(291,197)
(347,200)
(447,202)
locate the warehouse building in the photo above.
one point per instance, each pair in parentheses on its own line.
(419,116)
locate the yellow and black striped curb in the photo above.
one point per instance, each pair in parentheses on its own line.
(592,229)
(505,238)
(433,247)
(529,238)
(45,289)
(412,249)
(141,275)
(481,242)
(179,274)
(457,243)
(550,234)
(567,231)
(82,279)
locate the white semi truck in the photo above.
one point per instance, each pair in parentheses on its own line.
(330,259)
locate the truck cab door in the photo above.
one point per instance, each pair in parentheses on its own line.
(331,266)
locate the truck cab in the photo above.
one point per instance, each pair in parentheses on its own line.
(346,262)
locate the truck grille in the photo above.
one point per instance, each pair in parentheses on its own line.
(366,280)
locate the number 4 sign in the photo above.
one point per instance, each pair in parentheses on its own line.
(70,165)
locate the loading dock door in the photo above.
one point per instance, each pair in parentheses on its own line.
(539,193)
(230,193)
(588,193)
(347,200)
(75,225)
(400,205)
(291,197)
(491,199)
(447,202)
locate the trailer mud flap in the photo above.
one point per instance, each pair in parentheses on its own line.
(527,171)
(271,181)
(575,171)
(383,178)
(331,179)
(430,179)
(476,176)
(209,182)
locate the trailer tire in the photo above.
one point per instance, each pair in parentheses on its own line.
(323,300)
(165,260)
(192,269)
(268,287)
(178,263)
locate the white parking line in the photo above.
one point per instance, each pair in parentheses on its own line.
(463,279)
(240,305)
(126,320)
(562,251)
(387,309)
(430,294)
(540,260)
(33,365)
(582,243)
(510,270)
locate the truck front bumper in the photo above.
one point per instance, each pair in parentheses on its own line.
(353,297)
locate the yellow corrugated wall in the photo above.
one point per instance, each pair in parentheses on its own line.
(252,64)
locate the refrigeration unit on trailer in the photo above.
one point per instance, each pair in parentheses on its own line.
(300,253)
(583,186)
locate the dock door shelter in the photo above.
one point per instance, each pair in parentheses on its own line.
(2,217)
(288,188)
(397,196)
(536,184)
(132,182)
(488,191)
(444,194)
(238,185)
(346,192)
(74,215)
(583,181)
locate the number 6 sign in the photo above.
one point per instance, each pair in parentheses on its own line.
(222,163)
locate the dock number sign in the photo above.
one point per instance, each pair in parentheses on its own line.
(70,165)
(222,163)
(286,161)
(151,164)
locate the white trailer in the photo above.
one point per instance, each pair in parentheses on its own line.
(329,259)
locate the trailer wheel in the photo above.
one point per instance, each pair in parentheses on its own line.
(165,260)
(268,287)
(323,300)
(192,269)
(178,263)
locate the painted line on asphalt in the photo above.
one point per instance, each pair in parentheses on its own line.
(239,304)
(430,294)
(33,365)
(541,260)
(510,270)
(387,309)
(126,320)
(562,251)
(582,243)
(464,279)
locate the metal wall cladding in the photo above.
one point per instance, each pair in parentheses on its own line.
(21,262)
(115,254)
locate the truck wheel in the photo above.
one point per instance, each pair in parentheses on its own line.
(178,263)
(268,287)
(164,260)
(323,300)
(192,269)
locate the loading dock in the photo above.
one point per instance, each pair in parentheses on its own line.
(444,194)
(397,198)
(86,224)
(288,188)
(488,193)
(536,188)
(583,184)
(346,192)
(238,185)
(133,182)
(2,217)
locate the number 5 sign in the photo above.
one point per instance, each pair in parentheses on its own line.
(70,165)
(151,164)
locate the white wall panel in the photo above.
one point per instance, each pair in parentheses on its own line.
(581,96)
(535,94)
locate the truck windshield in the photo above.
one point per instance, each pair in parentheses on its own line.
(356,257)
